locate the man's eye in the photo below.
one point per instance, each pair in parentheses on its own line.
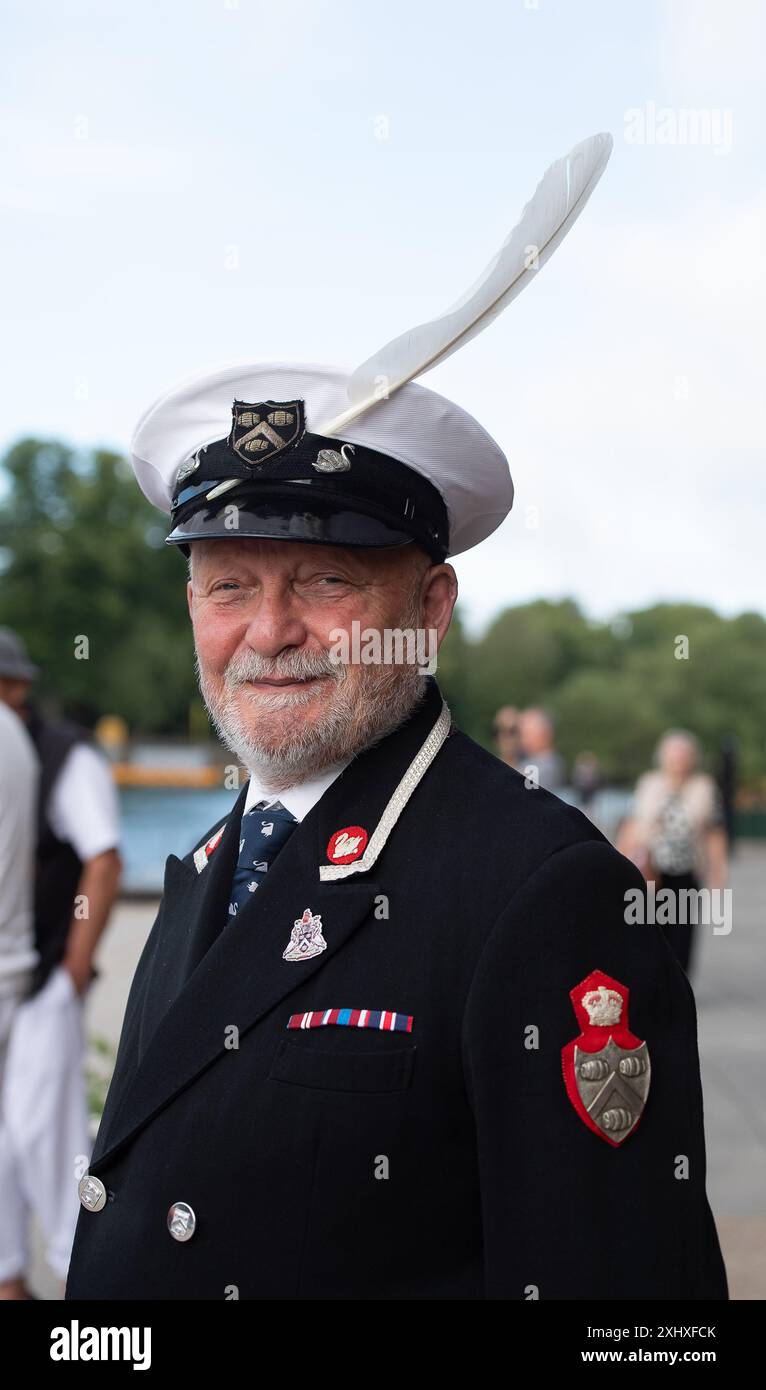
(225,584)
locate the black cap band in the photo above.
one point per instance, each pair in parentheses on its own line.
(317,489)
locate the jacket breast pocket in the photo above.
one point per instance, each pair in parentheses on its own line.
(300,1065)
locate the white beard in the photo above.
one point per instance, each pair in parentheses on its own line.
(359,713)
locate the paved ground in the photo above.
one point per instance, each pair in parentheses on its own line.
(730,985)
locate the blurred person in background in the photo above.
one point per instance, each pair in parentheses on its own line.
(675,831)
(18,788)
(77,877)
(507,735)
(586,779)
(539,759)
(727,783)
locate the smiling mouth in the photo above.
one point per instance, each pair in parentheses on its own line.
(283,683)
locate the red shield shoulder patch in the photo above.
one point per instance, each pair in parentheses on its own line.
(606,1069)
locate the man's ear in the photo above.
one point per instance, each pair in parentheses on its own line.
(437,596)
(189,596)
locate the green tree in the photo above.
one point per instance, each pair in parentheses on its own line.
(83,558)
(526,654)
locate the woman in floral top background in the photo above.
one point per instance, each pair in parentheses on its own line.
(675,831)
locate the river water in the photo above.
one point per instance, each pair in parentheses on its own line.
(158,821)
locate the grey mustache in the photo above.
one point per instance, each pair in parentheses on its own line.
(301,667)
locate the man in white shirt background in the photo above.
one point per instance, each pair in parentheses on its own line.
(18,792)
(77,875)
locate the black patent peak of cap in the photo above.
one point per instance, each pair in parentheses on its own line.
(276,518)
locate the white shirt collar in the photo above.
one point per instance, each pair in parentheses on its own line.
(297,800)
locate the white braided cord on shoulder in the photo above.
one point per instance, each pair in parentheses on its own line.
(415,772)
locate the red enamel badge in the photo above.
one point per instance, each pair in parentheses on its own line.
(202,854)
(213,841)
(347,845)
(606,1069)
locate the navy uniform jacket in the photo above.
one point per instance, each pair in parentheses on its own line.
(443,1162)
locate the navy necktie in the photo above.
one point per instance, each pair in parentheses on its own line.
(264,832)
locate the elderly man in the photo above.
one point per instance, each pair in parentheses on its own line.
(390,1035)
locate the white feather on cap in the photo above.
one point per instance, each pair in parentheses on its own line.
(377,404)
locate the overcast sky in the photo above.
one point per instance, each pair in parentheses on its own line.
(199,181)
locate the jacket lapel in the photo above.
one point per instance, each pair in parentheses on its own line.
(213,971)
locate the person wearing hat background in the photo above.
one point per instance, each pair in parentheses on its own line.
(77,874)
(390,1035)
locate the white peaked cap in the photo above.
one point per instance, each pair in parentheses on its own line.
(415,426)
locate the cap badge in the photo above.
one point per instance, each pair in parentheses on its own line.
(306,939)
(606,1069)
(332,461)
(190,466)
(259,432)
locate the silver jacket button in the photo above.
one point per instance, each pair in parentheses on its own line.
(181,1221)
(91,1192)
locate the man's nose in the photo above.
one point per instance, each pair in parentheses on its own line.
(275,623)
